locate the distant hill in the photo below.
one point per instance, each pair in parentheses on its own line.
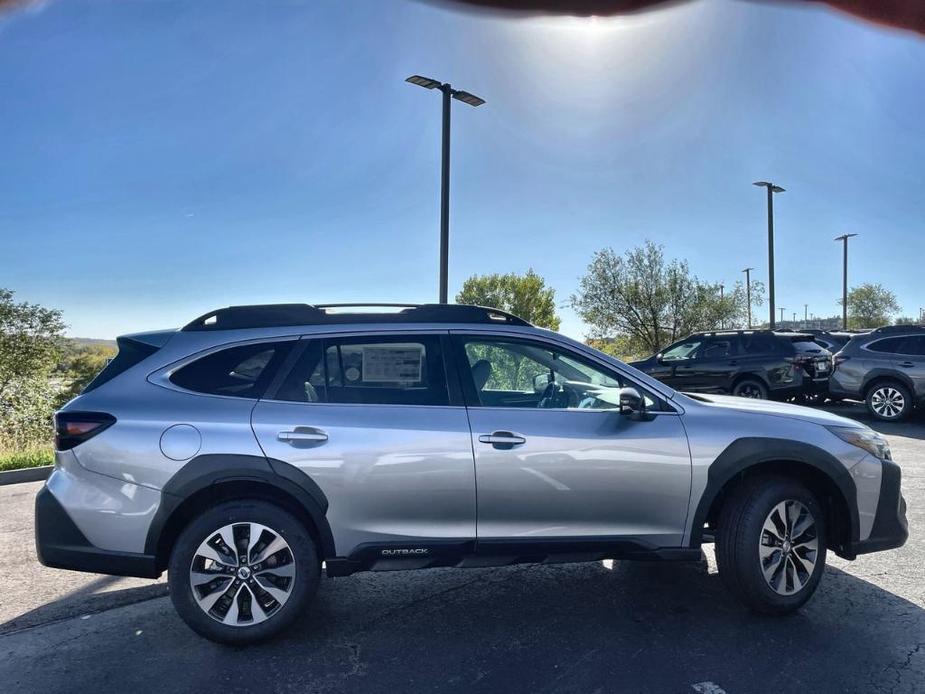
(88,341)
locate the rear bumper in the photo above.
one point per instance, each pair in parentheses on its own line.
(60,544)
(890,529)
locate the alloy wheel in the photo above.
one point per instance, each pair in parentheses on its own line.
(887,402)
(242,574)
(750,390)
(788,547)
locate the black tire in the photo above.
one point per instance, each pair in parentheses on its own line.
(301,587)
(741,534)
(883,401)
(750,388)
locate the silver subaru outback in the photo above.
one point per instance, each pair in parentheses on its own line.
(259,445)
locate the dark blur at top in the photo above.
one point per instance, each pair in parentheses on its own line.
(902,14)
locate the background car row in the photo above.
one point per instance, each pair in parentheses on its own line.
(884,367)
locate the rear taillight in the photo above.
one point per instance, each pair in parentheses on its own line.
(838,359)
(73,428)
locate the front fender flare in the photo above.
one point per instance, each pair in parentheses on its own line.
(745,453)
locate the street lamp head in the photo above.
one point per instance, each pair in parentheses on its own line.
(748,269)
(765,184)
(425,82)
(844,237)
(467,98)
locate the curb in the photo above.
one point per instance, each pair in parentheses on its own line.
(29,474)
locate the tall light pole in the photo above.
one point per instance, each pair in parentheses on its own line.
(771,190)
(722,321)
(748,293)
(466,98)
(805,314)
(781,309)
(844,280)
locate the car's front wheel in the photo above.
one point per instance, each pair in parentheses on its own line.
(889,401)
(242,572)
(771,544)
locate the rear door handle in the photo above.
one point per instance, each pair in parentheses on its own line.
(302,435)
(907,364)
(502,439)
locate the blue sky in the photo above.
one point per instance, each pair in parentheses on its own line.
(160,159)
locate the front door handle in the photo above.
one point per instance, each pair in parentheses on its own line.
(302,435)
(907,364)
(502,439)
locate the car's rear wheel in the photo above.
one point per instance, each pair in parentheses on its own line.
(771,544)
(751,388)
(242,572)
(889,401)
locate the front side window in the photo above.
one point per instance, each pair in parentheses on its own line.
(372,371)
(242,372)
(519,373)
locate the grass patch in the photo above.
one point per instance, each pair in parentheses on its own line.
(29,457)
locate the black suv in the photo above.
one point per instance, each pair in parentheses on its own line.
(750,363)
(885,368)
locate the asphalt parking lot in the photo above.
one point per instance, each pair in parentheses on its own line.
(634,627)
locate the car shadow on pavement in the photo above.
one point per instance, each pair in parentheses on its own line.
(642,626)
(636,627)
(95,596)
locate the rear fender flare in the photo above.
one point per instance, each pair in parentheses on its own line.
(205,471)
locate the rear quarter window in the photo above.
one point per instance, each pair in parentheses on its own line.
(888,345)
(241,372)
(754,345)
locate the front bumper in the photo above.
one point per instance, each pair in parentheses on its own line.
(890,529)
(60,544)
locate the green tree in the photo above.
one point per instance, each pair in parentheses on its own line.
(30,345)
(646,302)
(871,306)
(78,365)
(525,295)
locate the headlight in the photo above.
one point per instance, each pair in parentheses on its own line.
(868,439)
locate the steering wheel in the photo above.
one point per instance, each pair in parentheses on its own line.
(553,397)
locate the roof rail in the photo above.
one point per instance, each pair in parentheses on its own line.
(887,329)
(731,331)
(279,315)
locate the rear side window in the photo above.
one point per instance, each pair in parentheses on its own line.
(241,372)
(400,370)
(890,345)
(913,345)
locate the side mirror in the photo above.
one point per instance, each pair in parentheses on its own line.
(631,402)
(540,381)
(659,358)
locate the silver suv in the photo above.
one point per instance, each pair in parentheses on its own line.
(260,445)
